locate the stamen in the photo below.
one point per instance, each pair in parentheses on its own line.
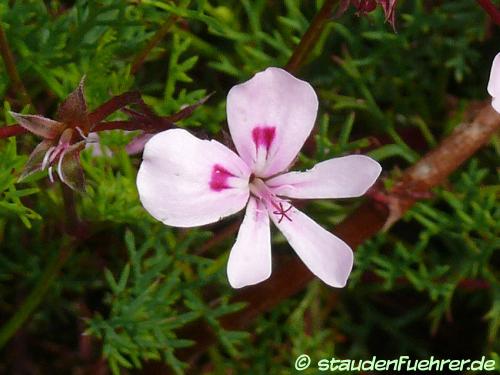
(259,189)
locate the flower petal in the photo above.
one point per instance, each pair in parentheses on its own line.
(345,177)
(184,181)
(495,103)
(326,256)
(270,117)
(136,145)
(250,258)
(494,83)
(39,125)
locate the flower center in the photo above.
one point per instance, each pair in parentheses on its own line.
(260,190)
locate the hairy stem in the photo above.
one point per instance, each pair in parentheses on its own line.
(10,66)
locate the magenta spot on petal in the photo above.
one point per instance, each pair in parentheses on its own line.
(263,136)
(218,179)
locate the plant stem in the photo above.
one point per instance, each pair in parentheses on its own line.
(491,9)
(10,66)
(113,105)
(12,131)
(310,37)
(38,293)
(157,37)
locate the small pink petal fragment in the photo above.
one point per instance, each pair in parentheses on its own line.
(494,83)
(136,145)
(326,256)
(250,258)
(219,178)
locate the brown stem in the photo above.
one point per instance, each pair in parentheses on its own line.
(10,66)
(113,105)
(157,37)
(12,131)
(491,9)
(310,37)
(366,221)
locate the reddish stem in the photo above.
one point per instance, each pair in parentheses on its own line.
(491,9)
(113,105)
(12,131)
(309,39)
(10,66)
(157,37)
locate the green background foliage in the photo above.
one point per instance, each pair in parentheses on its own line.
(127,290)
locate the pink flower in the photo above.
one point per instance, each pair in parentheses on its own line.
(494,83)
(185,181)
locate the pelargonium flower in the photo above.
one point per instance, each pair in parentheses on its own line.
(494,83)
(184,181)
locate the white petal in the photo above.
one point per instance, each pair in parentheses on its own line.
(345,177)
(495,103)
(326,256)
(184,181)
(494,82)
(270,117)
(250,258)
